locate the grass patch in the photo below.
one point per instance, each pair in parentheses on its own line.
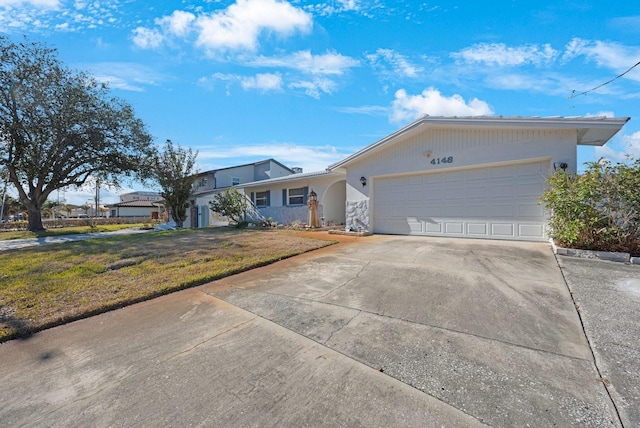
(23,234)
(46,286)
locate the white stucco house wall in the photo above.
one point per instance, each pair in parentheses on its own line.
(476,177)
(284,199)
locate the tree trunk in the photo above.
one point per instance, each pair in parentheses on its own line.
(35,219)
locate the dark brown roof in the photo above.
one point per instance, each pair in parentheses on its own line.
(138,204)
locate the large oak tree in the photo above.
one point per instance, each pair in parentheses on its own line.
(59,127)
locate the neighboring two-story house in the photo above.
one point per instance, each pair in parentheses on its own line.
(209,183)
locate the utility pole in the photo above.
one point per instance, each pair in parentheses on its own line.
(97,196)
(4,195)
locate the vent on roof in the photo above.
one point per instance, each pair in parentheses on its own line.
(296,170)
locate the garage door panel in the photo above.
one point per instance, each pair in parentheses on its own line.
(433,226)
(502,230)
(433,179)
(500,211)
(532,189)
(414,211)
(477,211)
(477,229)
(502,172)
(502,191)
(454,227)
(531,231)
(415,225)
(494,202)
(530,210)
(477,175)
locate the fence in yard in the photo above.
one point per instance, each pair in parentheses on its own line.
(71,222)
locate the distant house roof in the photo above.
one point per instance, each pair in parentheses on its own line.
(592,131)
(137,204)
(243,165)
(292,177)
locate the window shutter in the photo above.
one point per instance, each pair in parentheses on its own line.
(268,198)
(284,197)
(253,198)
(306,192)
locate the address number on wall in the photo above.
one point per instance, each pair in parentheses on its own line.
(438,161)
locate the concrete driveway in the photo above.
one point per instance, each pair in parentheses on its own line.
(382,331)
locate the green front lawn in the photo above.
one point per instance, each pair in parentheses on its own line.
(52,284)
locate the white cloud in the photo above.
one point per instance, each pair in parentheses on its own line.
(331,63)
(601,114)
(63,16)
(629,145)
(501,55)
(410,107)
(124,76)
(310,158)
(235,28)
(145,38)
(611,55)
(178,23)
(314,88)
(263,81)
(399,65)
(339,6)
(369,110)
(45,4)
(239,26)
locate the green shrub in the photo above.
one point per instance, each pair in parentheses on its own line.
(598,210)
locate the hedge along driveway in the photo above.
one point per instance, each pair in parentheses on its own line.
(50,285)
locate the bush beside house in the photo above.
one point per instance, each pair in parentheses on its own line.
(597,210)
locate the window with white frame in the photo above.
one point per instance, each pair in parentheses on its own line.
(235,181)
(296,196)
(262,199)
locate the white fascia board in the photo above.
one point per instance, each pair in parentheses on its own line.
(592,130)
(292,177)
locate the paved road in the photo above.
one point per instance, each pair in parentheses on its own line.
(383,331)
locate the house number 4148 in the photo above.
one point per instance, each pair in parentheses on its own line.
(438,161)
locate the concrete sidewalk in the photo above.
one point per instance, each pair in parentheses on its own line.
(16,244)
(607,295)
(382,331)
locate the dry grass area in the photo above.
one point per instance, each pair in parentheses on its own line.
(50,285)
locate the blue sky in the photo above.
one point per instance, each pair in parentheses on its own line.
(310,82)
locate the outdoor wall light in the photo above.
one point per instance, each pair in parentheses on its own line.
(363,181)
(562,165)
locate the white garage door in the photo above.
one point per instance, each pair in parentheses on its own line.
(499,202)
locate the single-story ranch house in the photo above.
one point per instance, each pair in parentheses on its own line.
(475,177)
(138,204)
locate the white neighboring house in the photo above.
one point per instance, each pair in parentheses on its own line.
(138,204)
(209,183)
(474,177)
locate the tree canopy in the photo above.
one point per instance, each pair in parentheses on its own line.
(230,203)
(60,127)
(174,171)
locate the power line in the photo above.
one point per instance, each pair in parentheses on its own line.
(573,93)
